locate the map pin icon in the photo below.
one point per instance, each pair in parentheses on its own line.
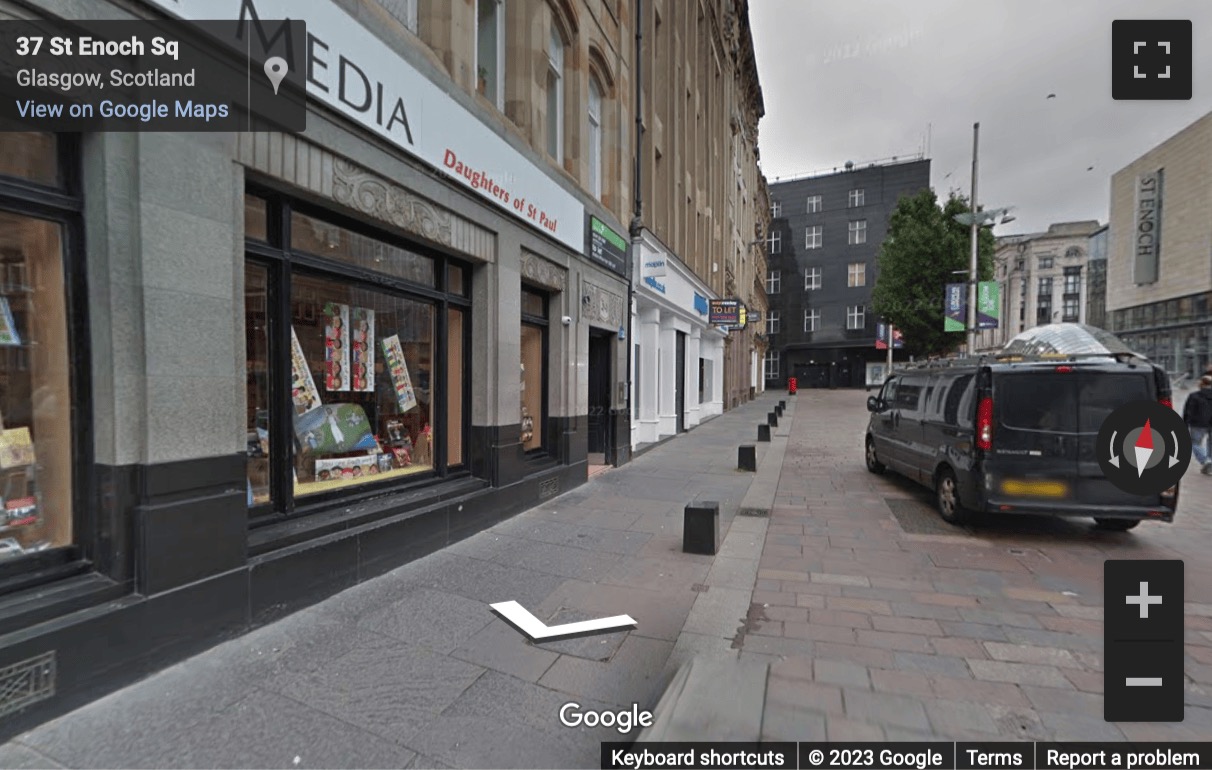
(275,70)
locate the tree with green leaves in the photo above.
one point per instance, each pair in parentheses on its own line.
(924,248)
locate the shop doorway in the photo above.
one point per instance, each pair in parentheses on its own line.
(679,393)
(600,348)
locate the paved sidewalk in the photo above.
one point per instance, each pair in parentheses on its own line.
(414,670)
(892,625)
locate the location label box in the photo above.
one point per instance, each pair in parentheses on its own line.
(153,75)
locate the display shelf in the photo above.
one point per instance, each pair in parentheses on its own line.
(312,487)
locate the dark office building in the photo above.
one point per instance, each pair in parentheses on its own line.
(823,248)
(1096,281)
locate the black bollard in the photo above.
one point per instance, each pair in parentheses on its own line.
(772,420)
(778,410)
(783,403)
(746,457)
(763,432)
(701,528)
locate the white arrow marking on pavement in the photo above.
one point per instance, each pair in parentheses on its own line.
(537,629)
(1143,453)
(1174,457)
(1114,455)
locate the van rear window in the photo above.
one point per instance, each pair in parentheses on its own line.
(1102,394)
(1038,401)
(1069,402)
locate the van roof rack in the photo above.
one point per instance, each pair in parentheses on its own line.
(1015,358)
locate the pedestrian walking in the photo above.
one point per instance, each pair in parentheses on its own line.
(1197,413)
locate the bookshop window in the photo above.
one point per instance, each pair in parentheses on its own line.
(533,385)
(370,373)
(36,399)
(362,365)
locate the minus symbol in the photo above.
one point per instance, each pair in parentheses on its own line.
(1144,681)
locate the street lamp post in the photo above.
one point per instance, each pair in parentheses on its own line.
(976,219)
(973,266)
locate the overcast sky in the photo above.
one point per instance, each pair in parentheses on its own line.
(862,79)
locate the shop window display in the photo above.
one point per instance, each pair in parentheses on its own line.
(36,408)
(533,343)
(362,364)
(364,377)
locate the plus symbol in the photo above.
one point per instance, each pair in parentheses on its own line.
(1144,600)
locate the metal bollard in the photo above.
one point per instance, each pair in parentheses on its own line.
(783,403)
(746,457)
(772,420)
(701,528)
(763,432)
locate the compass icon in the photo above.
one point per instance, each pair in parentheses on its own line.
(1144,447)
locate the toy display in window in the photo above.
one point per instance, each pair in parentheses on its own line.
(336,347)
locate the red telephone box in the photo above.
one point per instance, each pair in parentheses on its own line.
(791,386)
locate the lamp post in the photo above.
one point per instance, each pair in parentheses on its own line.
(976,219)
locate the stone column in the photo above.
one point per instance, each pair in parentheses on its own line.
(649,326)
(694,410)
(668,380)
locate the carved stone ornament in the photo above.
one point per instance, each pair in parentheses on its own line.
(360,189)
(604,306)
(544,273)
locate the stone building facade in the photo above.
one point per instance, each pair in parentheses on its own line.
(1042,279)
(1159,260)
(251,370)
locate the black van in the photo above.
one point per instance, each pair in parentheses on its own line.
(997,436)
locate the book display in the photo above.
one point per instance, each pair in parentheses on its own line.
(358,417)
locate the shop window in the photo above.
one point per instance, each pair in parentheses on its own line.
(365,367)
(534,370)
(35,391)
(349,387)
(256,223)
(31,156)
(256,334)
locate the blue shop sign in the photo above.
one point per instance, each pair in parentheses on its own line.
(655,284)
(700,304)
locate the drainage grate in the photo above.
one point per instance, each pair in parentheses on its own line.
(919,518)
(26,682)
(549,488)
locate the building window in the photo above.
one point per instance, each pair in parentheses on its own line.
(39,342)
(1073,252)
(813,237)
(1043,310)
(856,317)
(773,282)
(776,209)
(812,319)
(1045,263)
(814,204)
(555,96)
(595,137)
(533,415)
(1045,288)
(770,365)
(1070,309)
(772,322)
(374,399)
(857,198)
(774,242)
(812,278)
(858,232)
(856,274)
(1073,280)
(490,51)
(1018,264)
(404,10)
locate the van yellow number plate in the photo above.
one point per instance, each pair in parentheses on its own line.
(1035,488)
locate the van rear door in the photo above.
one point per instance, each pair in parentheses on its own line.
(1034,456)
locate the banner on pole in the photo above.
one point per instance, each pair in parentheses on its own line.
(988,301)
(955,308)
(881,337)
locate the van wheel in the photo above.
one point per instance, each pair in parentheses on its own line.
(1117,525)
(873,461)
(946,491)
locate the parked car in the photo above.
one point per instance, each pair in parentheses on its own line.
(1014,436)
